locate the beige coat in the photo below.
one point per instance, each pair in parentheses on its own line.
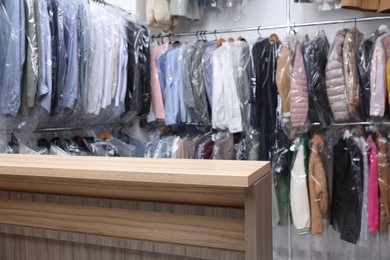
(335,80)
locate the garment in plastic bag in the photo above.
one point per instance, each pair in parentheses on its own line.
(12,55)
(383,180)
(316,55)
(280,149)
(299,196)
(198,88)
(283,76)
(373,196)
(137,98)
(226,104)
(156,95)
(346,207)
(366,51)
(263,110)
(299,97)
(224,147)
(378,78)
(364,235)
(189,9)
(30,71)
(353,39)
(336,87)
(318,185)
(171,90)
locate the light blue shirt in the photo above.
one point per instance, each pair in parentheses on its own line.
(171,93)
(12,54)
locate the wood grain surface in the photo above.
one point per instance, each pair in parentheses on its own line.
(163,171)
(221,233)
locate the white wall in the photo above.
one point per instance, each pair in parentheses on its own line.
(274,12)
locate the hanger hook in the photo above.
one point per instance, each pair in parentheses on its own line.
(258,30)
(355,22)
(204,34)
(169,37)
(215,35)
(196,34)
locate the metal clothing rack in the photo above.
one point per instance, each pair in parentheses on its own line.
(271,27)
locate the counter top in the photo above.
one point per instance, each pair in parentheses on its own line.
(239,174)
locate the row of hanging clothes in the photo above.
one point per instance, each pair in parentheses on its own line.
(346,81)
(72,57)
(342,181)
(228,85)
(194,143)
(79,143)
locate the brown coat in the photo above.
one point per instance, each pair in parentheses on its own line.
(383,176)
(318,186)
(283,77)
(352,40)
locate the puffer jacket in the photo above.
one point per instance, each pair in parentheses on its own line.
(335,80)
(299,100)
(283,76)
(317,54)
(318,186)
(378,77)
(352,40)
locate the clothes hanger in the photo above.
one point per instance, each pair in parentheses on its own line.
(215,35)
(204,35)
(274,37)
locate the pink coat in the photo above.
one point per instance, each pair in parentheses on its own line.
(373,197)
(299,97)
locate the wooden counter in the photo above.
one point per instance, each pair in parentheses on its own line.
(181,209)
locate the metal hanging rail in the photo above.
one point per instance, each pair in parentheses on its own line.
(272,27)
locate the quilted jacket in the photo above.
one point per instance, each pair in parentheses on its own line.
(335,80)
(299,97)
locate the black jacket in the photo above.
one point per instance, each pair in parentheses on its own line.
(264,100)
(137,101)
(346,205)
(316,55)
(366,50)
